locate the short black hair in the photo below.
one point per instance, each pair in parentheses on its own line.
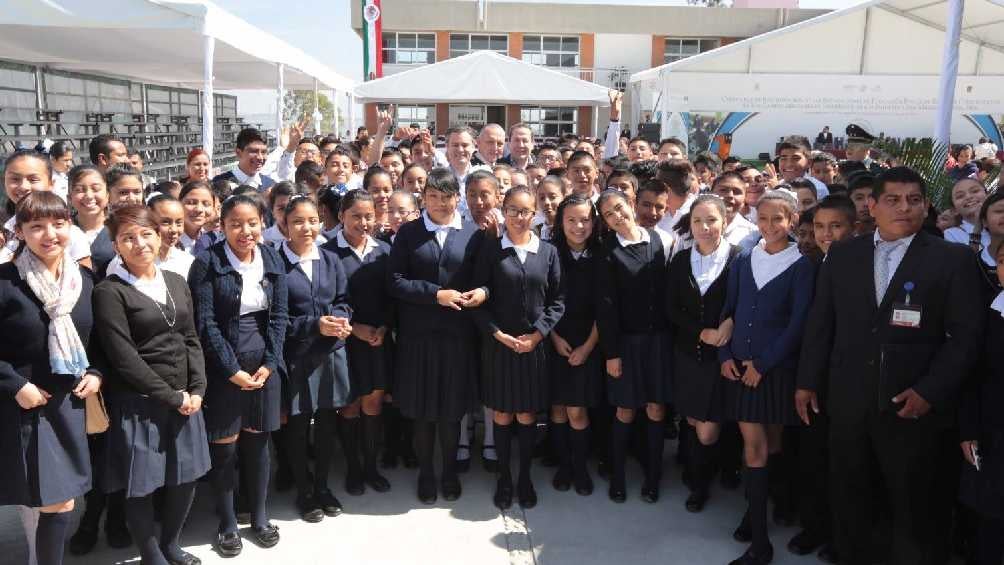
(618,173)
(308,170)
(442,179)
(859,180)
(840,203)
(904,175)
(247,136)
(676,173)
(806,184)
(101,145)
(797,142)
(644,170)
(60,148)
(674,141)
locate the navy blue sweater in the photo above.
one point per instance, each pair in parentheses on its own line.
(367,287)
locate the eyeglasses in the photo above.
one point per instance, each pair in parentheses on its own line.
(521,213)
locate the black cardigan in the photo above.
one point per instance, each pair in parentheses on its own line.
(143,354)
(689,311)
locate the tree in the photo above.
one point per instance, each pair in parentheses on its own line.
(299,104)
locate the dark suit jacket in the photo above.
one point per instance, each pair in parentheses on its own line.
(850,340)
(266,181)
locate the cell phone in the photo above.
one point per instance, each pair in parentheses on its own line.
(974,451)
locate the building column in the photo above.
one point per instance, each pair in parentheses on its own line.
(442,118)
(516,45)
(584,127)
(587,56)
(370,111)
(658,50)
(442,45)
(511,116)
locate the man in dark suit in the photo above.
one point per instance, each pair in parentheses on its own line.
(893,332)
(252,152)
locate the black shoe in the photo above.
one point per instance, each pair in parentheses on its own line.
(650,491)
(229,544)
(744,533)
(328,503)
(804,543)
(754,558)
(182,558)
(696,501)
(354,484)
(503,494)
(427,490)
(388,460)
(118,536)
(377,482)
(583,484)
(451,488)
(266,536)
(730,480)
(562,479)
(828,554)
(617,492)
(83,541)
(527,494)
(310,510)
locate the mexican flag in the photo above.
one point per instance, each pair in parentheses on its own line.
(372,39)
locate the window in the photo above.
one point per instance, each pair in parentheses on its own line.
(421,115)
(550,121)
(677,48)
(551,50)
(464,43)
(409,48)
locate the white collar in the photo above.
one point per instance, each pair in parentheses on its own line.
(369,245)
(312,254)
(721,253)
(998,304)
(155,289)
(243,178)
(455,222)
(10,224)
(255,263)
(645,238)
(739,221)
(533,246)
(876,238)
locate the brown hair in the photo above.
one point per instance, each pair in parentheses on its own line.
(133,214)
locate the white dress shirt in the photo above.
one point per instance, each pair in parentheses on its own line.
(998,304)
(895,256)
(442,231)
(188,243)
(178,262)
(767,266)
(155,289)
(303,262)
(707,268)
(960,234)
(738,229)
(532,246)
(368,246)
(273,236)
(669,221)
(243,178)
(252,274)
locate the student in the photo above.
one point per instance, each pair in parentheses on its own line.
(47,465)
(635,338)
(823,167)
(364,259)
(413,179)
(170,217)
(125,188)
(550,193)
(534,173)
(769,294)
(200,204)
(804,236)
(503,172)
(106,150)
(639,149)
(88,195)
(392,161)
(548,156)
(318,323)
(756,185)
(379,184)
(695,297)
(671,148)
(793,155)
(484,196)
(624,181)
(520,178)
(576,369)
(136,161)
(968,196)
(805,192)
(731,163)
(310,175)
(156,380)
(582,173)
(859,189)
(169,187)
(61,157)
(732,190)
(431,266)
(339,166)
(252,151)
(278,198)
(239,287)
(652,203)
(706,167)
(681,179)
(992,219)
(24,172)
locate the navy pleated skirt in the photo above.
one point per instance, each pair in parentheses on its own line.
(771,402)
(151,445)
(577,386)
(43,451)
(646,371)
(324,385)
(435,376)
(515,382)
(698,387)
(370,368)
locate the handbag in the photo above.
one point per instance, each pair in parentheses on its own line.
(97,414)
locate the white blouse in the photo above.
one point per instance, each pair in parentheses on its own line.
(155,289)
(442,231)
(304,262)
(707,268)
(253,298)
(532,246)
(767,266)
(177,262)
(368,246)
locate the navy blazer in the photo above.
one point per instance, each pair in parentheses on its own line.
(578,277)
(323,295)
(367,286)
(522,297)
(419,269)
(216,290)
(768,321)
(102,252)
(266,181)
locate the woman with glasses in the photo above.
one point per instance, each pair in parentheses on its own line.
(523,278)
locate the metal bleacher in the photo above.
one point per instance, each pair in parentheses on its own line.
(163,123)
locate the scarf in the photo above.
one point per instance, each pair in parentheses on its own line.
(67,355)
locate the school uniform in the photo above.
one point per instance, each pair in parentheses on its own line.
(79,247)
(768,298)
(102,252)
(241,314)
(177,262)
(695,297)
(581,385)
(260,180)
(43,451)
(152,354)
(525,296)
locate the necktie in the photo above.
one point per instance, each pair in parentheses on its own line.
(882,251)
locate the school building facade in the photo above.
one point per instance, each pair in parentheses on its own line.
(602,43)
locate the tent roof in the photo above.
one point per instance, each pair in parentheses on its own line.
(483,77)
(154,41)
(879,37)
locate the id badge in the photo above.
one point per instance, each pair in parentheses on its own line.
(906,315)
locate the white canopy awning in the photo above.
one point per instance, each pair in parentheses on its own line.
(483,77)
(154,41)
(881,58)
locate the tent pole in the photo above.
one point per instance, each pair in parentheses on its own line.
(208,99)
(334,117)
(351,112)
(279,92)
(949,72)
(317,110)
(596,120)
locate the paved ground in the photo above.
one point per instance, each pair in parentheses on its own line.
(564,529)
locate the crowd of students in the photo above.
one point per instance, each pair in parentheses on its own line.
(805,322)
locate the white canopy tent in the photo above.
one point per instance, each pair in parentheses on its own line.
(484,77)
(884,58)
(185,43)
